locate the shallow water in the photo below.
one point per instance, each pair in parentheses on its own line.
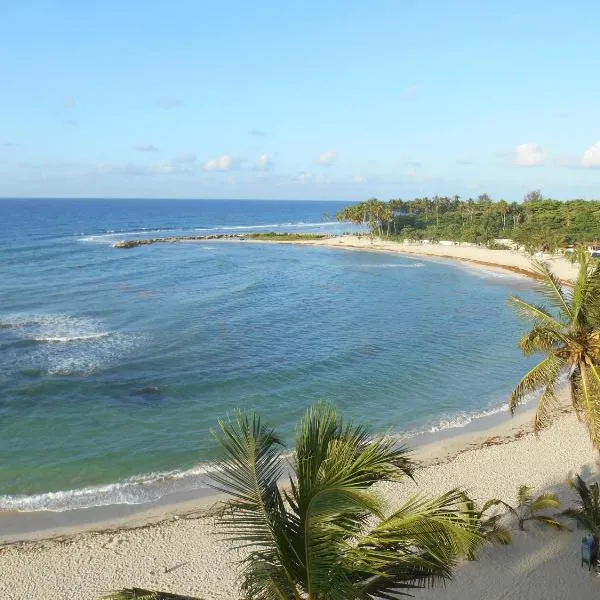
(115,364)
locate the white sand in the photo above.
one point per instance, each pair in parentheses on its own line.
(474,255)
(185,555)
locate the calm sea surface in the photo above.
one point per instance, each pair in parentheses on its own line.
(115,364)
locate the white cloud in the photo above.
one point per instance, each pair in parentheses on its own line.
(359,179)
(529,155)
(591,157)
(223,163)
(327,158)
(264,163)
(146,148)
(167,168)
(168,102)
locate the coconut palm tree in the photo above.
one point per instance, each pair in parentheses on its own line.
(326,536)
(530,508)
(567,331)
(587,513)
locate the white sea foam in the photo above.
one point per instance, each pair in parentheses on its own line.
(413,265)
(72,338)
(460,420)
(138,489)
(65,344)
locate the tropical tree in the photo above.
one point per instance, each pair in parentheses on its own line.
(326,537)
(504,210)
(530,508)
(587,513)
(487,521)
(567,332)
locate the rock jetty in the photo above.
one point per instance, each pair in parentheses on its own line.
(176,239)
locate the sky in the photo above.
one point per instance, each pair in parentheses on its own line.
(308,100)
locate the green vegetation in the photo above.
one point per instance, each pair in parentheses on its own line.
(487,521)
(285,237)
(530,508)
(587,513)
(326,537)
(536,223)
(567,332)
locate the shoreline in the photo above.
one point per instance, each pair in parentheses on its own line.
(429,447)
(510,261)
(184,552)
(175,546)
(46,524)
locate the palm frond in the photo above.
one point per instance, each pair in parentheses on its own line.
(417,546)
(589,392)
(546,408)
(551,288)
(534,313)
(548,521)
(249,472)
(545,374)
(524,494)
(587,513)
(545,501)
(422,522)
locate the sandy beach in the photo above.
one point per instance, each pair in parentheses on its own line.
(480,257)
(185,554)
(182,552)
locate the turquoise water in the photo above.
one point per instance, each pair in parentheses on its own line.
(115,364)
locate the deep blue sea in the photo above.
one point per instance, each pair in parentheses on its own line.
(115,364)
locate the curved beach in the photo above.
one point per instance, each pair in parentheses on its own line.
(476,256)
(185,554)
(177,548)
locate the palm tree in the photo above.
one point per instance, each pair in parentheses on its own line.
(325,537)
(568,333)
(529,508)
(504,210)
(587,514)
(488,523)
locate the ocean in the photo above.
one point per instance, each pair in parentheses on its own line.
(115,364)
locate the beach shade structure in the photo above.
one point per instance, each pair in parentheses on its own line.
(588,551)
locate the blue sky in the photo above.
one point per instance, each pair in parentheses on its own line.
(323,100)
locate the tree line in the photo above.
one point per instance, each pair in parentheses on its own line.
(537,223)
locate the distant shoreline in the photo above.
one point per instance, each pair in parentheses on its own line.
(476,256)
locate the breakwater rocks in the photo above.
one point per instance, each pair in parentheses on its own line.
(176,239)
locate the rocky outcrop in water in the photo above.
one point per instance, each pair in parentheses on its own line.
(175,239)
